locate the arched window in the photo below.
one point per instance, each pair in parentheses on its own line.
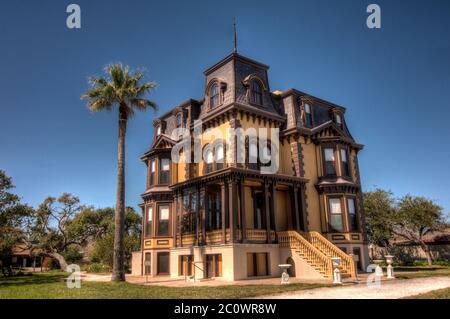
(219,156)
(256,92)
(214,95)
(209,160)
(254,159)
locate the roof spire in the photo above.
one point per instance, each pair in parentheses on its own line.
(235,37)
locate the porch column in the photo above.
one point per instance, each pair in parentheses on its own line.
(197,218)
(273,207)
(296,211)
(179,202)
(175,219)
(242,210)
(267,210)
(303,208)
(232,196)
(202,205)
(224,209)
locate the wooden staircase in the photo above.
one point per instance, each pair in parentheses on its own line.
(347,267)
(317,251)
(314,257)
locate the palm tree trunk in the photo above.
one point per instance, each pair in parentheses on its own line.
(118,259)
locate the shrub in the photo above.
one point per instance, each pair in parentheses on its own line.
(442,262)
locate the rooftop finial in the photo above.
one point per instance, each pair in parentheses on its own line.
(235,38)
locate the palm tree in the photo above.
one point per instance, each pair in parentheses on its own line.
(124,89)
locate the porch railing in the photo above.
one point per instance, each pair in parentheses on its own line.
(313,256)
(330,250)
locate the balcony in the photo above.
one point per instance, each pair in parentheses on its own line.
(215,237)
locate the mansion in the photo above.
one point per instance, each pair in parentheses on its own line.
(228,220)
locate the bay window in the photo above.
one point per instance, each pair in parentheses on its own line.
(336,220)
(152,171)
(330,163)
(149,223)
(164,175)
(352,217)
(163,220)
(344,163)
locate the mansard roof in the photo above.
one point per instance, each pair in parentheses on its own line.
(232,57)
(234,74)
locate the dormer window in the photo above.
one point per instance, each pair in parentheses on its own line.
(339,120)
(308,115)
(256,93)
(179,120)
(214,95)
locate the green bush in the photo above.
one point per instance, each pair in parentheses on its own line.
(442,262)
(96,268)
(421,263)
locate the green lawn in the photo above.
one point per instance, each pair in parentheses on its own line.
(421,272)
(51,285)
(435,294)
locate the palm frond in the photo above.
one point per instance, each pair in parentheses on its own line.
(120,87)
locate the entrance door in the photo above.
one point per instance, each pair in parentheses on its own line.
(213,266)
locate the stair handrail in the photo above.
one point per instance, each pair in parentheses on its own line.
(347,261)
(286,238)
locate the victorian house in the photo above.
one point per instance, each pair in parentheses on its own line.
(221,219)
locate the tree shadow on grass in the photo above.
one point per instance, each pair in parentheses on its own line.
(32,279)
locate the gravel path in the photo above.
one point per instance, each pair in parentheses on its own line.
(388,290)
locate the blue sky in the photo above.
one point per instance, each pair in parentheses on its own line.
(395,83)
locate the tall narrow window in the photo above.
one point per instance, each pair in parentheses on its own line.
(353,222)
(214,95)
(164,174)
(308,115)
(163,220)
(219,156)
(344,163)
(209,160)
(256,93)
(152,171)
(158,130)
(252,156)
(330,168)
(149,223)
(336,223)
